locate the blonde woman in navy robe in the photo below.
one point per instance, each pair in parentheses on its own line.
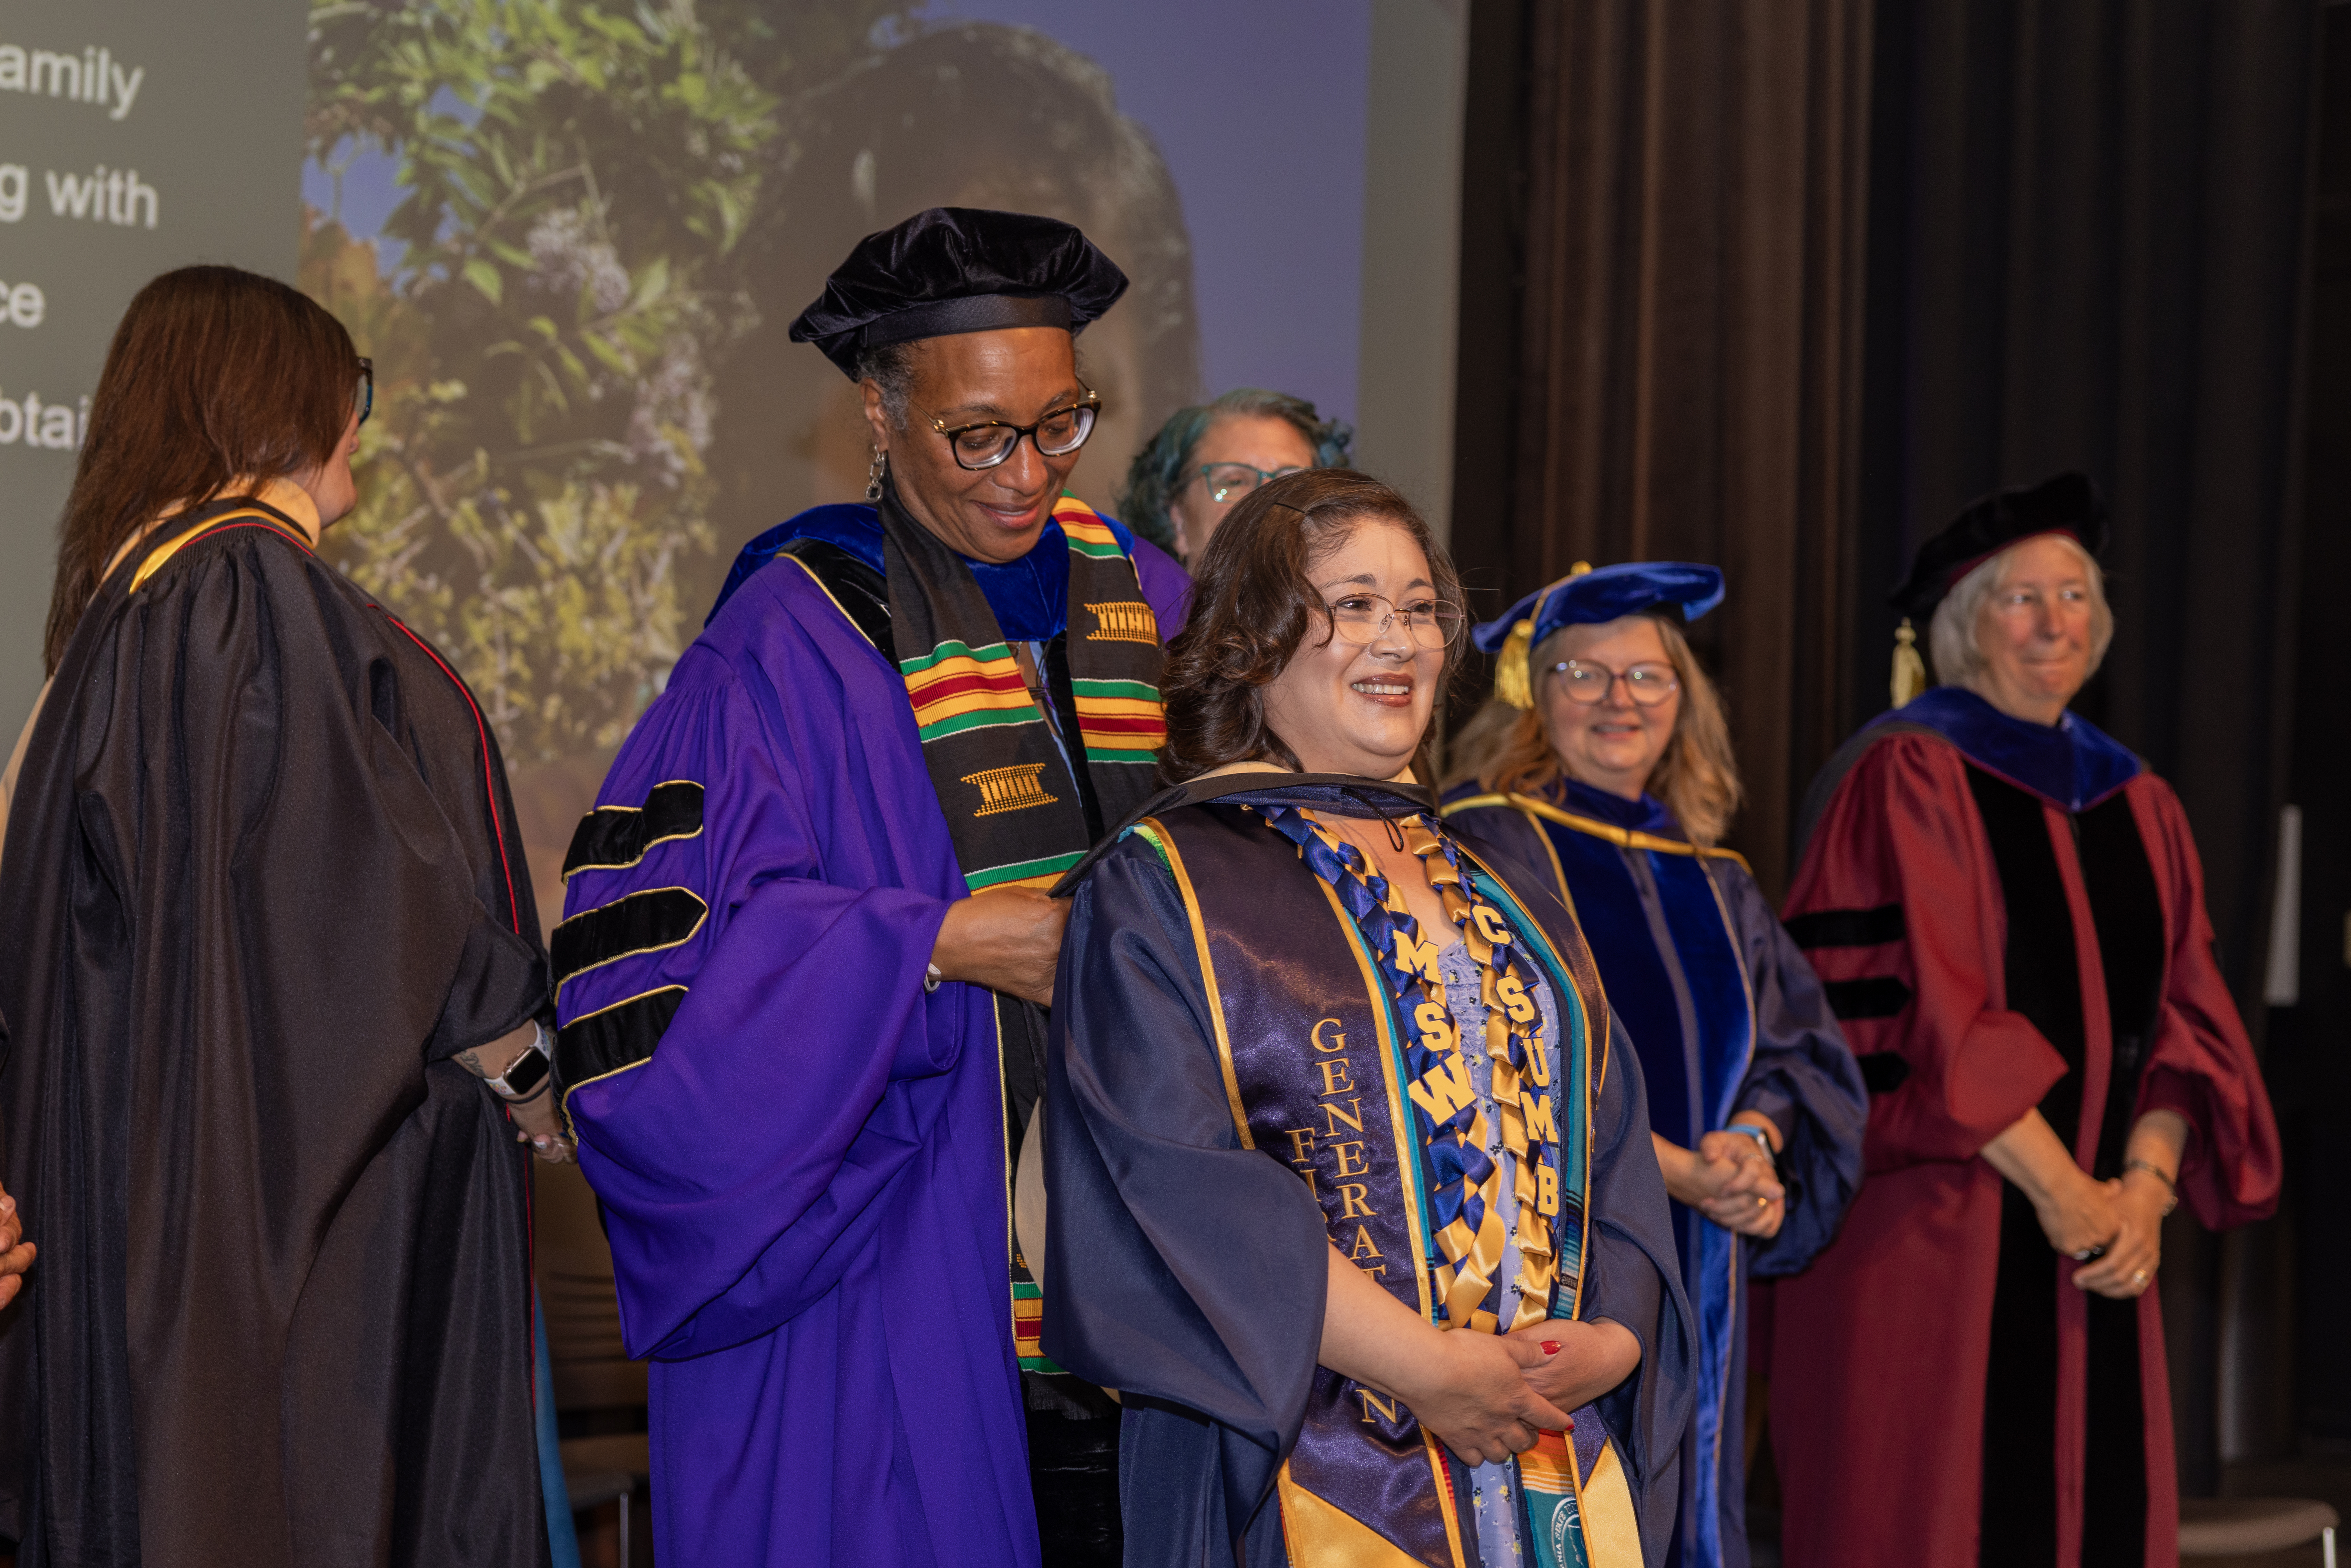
(1608,765)
(1351,1188)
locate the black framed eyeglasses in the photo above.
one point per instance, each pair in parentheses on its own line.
(988,444)
(1649,685)
(1227,480)
(364,396)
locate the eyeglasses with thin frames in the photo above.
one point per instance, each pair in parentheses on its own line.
(1648,684)
(363,395)
(1227,480)
(1362,619)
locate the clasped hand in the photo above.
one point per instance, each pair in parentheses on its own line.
(1488,1395)
(1729,1179)
(2120,1221)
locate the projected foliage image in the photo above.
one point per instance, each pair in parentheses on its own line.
(608,215)
(577,181)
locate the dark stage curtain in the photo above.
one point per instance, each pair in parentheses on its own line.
(2087,251)
(1782,284)
(1661,334)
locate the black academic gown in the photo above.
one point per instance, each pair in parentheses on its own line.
(262,881)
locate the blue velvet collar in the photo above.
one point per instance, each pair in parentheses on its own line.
(1646,815)
(1031,596)
(2071,764)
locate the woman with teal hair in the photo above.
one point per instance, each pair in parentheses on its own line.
(1208,456)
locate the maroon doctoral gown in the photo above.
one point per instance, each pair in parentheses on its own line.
(2006,916)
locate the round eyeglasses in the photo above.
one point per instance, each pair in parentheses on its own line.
(1647,684)
(363,395)
(989,443)
(1227,480)
(1362,619)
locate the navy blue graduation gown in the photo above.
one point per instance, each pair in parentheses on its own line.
(1726,1016)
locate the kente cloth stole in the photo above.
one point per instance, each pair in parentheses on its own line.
(1011,801)
(1465,1185)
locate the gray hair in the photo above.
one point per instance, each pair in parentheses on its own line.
(892,368)
(1951,639)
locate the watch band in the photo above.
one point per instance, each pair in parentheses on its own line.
(1763,1139)
(527,1074)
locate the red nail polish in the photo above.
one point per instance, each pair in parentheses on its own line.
(1551,1347)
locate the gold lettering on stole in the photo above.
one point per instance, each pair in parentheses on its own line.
(1352,1194)
(1332,1116)
(1417,954)
(1335,1080)
(1338,1040)
(1374,1402)
(1350,1157)
(1364,1245)
(1540,1128)
(1444,1088)
(1301,1153)
(1515,1000)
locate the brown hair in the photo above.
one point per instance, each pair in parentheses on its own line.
(1509,749)
(1254,602)
(216,375)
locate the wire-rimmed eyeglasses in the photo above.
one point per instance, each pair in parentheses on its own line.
(363,395)
(1585,681)
(1362,619)
(986,445)
(1227,480)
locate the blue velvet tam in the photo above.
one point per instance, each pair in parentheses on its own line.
(1586,596)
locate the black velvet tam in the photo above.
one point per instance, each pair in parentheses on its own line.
(2068,504)
(958,269)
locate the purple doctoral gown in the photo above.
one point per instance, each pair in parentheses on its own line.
(804,1184)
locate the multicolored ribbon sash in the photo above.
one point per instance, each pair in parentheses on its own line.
(1465,1182)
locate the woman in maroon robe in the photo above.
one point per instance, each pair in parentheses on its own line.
(2009,913)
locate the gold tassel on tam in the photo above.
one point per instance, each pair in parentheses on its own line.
(1910,670)
(1513,681)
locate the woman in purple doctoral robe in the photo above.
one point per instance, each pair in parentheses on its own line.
(1350,1192)
(795,1074)
(804,1184)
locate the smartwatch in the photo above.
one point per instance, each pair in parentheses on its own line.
(525,1073)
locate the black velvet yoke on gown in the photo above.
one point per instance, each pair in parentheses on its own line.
(2019,1512)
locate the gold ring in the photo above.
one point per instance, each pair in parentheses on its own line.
(2139,1279)
(1762,1202)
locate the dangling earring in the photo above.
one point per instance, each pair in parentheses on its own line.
(873,474)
